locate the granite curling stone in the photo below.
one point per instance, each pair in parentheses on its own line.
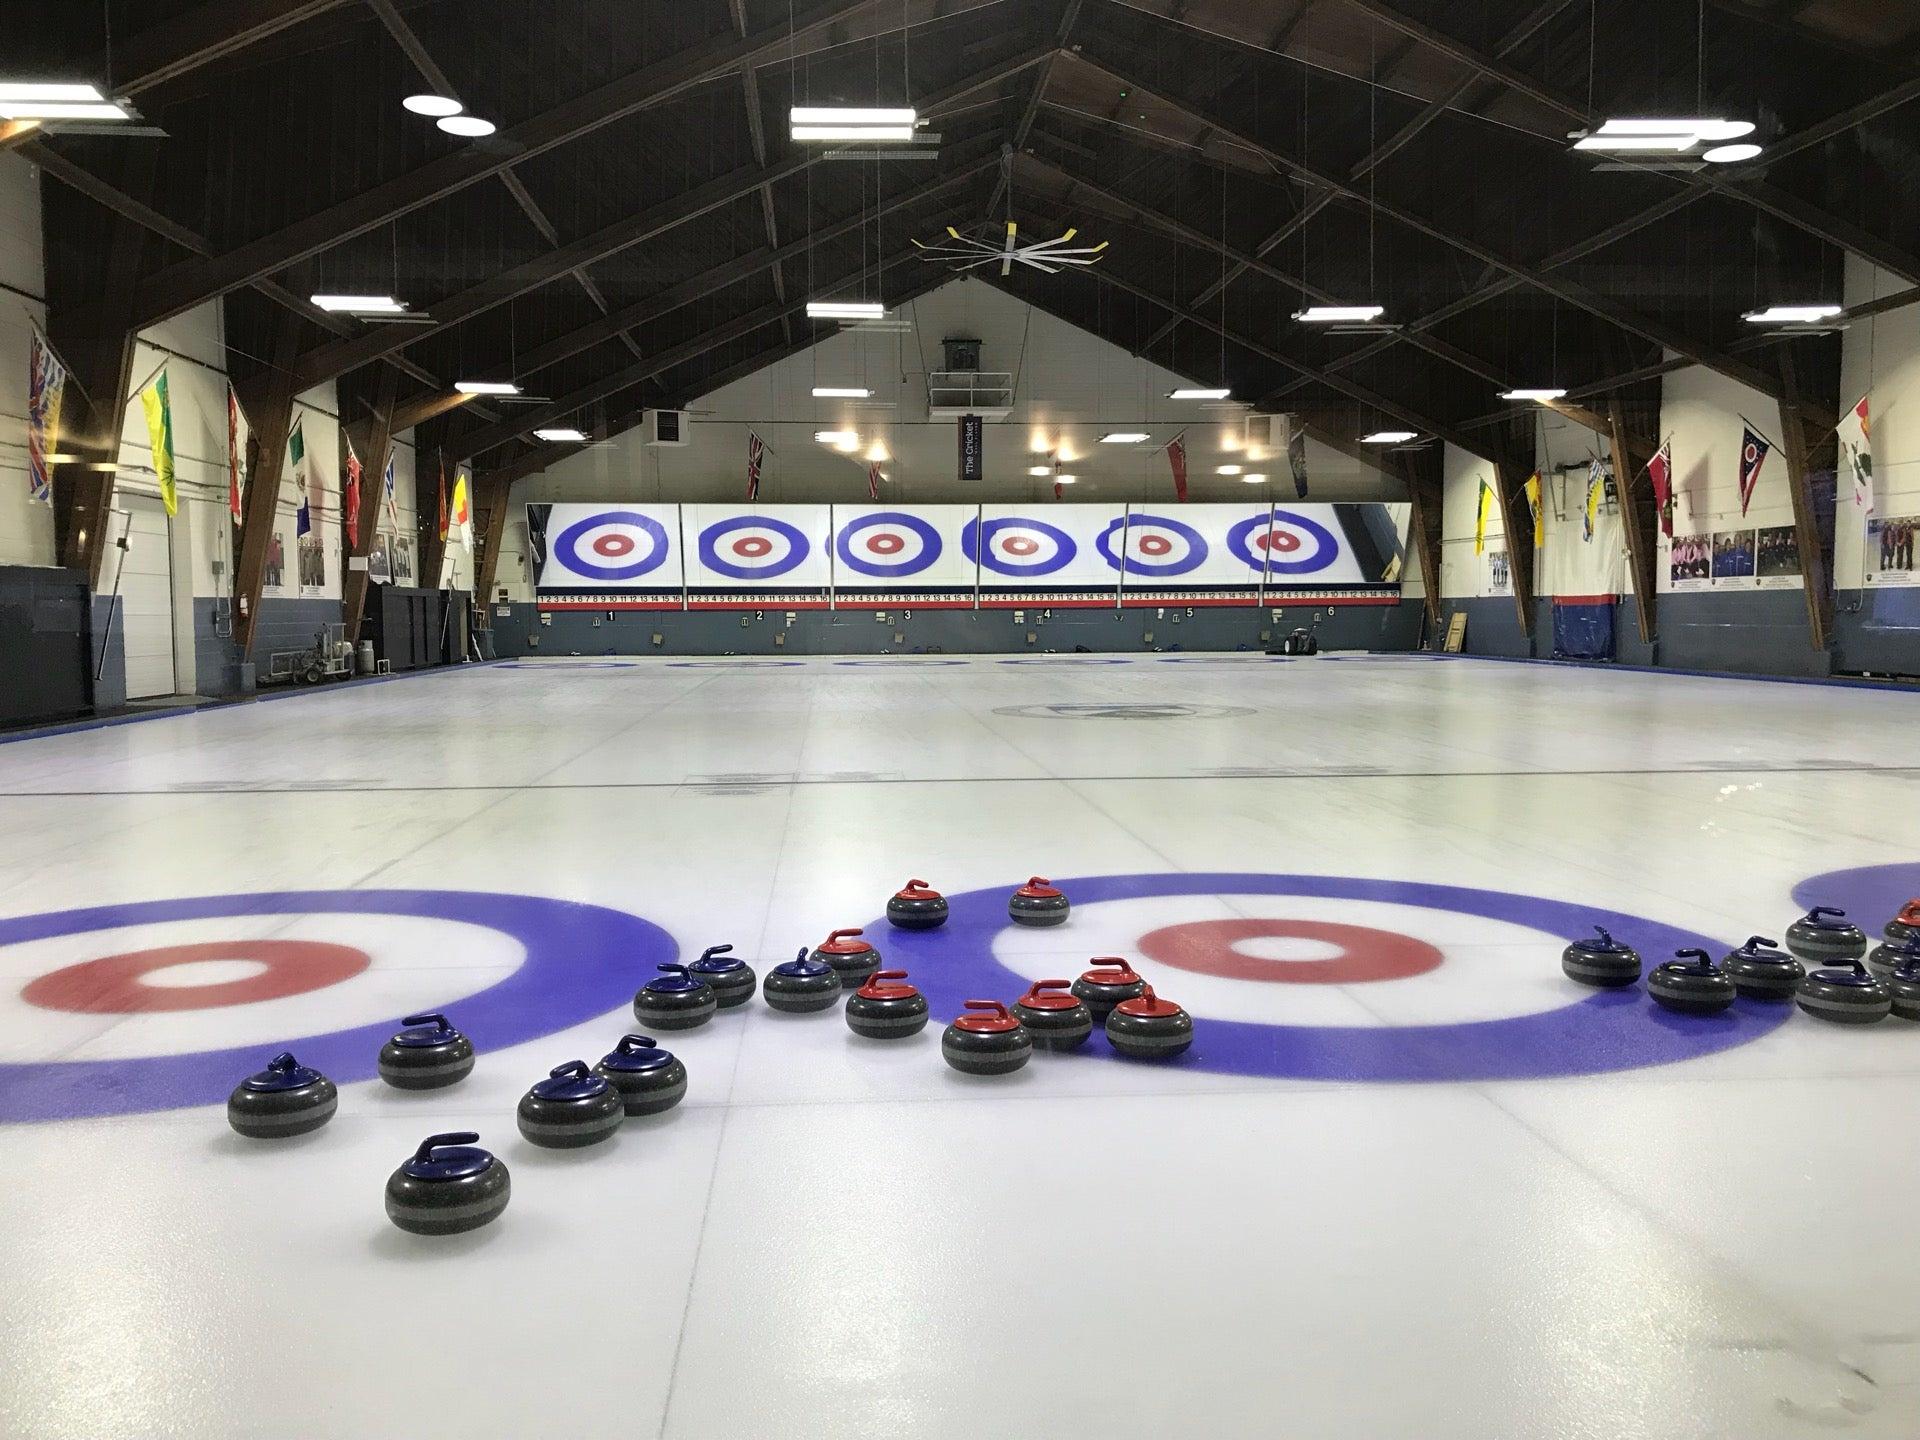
(1905,985)
(675,999)
(448,1187)
(1905,925)
(731,979)
(802,986)
(1604,962)
(1761,970)
(1848,994)
(1037,903)
(988,1041)
(285,1099)
(1055,1018)
(1883,960)
(428,1055)
(1110,981)
(918,907)
(1149,1028)
(1825,934)
(881,1009)
(647,1078)
(852,958)
(1691,984)
(571,1108)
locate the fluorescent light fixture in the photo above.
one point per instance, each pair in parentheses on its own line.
(62,110)
(837,122)
(1124,437)
(1702,129)
(1542,394)
(845,310)
(1229,470)
(1389,437)
(1335,314)
(841,392)
(359,304)
(1731,154)
(839,439)
(486,387)
(1664,144)
(1040,470)
(1066,479)
(1793,314)
(878,455)
(1195,394)
(53,90)
(562,436)
(434,107)
(471,127)
(1253,479)
(852,132)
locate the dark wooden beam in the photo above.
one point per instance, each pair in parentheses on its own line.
(426,510)
(497,489)
(268,402)
(1637,519)
(1023,125)
(1797,444)
(183,43)
(1516,525)
(372,438)
(1423,533)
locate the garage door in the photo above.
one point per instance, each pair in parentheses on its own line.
(145,620)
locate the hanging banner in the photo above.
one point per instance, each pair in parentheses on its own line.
(46,389)
(973,448)
(614,551)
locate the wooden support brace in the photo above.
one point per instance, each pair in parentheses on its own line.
(268,402)
(498,488)
(372,439)
(1424,534)
(1516,522)
(1637,519)
(1798,448)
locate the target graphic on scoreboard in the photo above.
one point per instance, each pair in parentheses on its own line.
(161,1004)
(1156,546)
(1019,548)
(729,549)
(602,548)
(887,545)
(1284,542)
(1339,978)
(753,547)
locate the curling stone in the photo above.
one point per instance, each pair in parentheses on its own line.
(1883,960)
(1846,994)
(448,1187)
(1825,934)
(1905,925)
(675,999)
(1038,904)
(1108,983)
(1761,970)
(1055,1018)
(571,1108)
(428,1055)
(883,1010)
(852,958)
(284,1099)
(648,1078)
(1604,963)
(1905,984)
(988,1041)
(802,985)
(918,907)
(1691,984)
(1149,1028)
(732,980)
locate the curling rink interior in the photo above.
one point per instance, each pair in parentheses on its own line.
(1409,1180)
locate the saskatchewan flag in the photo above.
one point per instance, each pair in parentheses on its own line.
(1480,519)
(153,399)
(1539,519)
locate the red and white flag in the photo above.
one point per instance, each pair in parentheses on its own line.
(1177,458)
(873,479)
(350,502)
(1660,471)
(1753,455)
(1856,453)
(756,456)
(233,453)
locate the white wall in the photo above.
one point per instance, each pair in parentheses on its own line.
(1701,412)
(26,527)
(1463,573)
(1881,355)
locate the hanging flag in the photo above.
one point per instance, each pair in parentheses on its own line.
(350,498)
(46,389)
(159,408)
(1539,517)
(1297,455)
(1177,458)
(460,524)
(1660,471)
(297,453)
(873,479)
(393,508)
(1596,492)
(233,454)
(443,497)
(756,454)
(1481,511)
(1753,454)
(1856,454)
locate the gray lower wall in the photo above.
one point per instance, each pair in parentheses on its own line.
(860,632)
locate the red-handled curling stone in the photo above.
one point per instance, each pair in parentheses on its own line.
(852,958)
(1149,1028)
(1054,1017)
(883,1009)
(917,907)
(986,1041)
(1905,925)
(1037,903)
(1110,981)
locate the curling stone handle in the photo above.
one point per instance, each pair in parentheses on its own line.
(713,950)
(674,969)
(1702,960)
(1042,985)
(1606,937)
(1760,942)
(843,934)
(888,975)
(437,1020)
(1820,910)
(436,1142)
(918,885)
(1146,991)
(1109,962)
(576,1069)
(805,950)
(283,1062)
(992,1006)
(1038,880)
(633,1044)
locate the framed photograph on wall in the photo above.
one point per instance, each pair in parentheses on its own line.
(380,559)
(403,560)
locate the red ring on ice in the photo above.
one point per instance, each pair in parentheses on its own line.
(1282,540)
(752,547)
(1155,545)
(1211,947)
(613,546)
(884,543)
(116,984)
(1020,545)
